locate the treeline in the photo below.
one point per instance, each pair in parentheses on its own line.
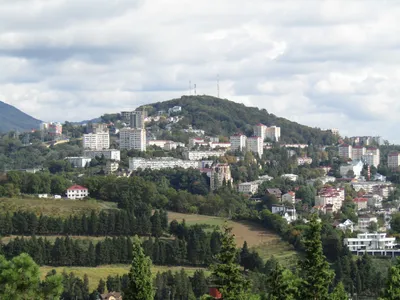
(140,221)
(192,246)
(168,285)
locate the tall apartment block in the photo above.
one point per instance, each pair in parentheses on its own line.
(132,138)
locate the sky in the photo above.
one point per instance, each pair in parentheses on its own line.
(327,64)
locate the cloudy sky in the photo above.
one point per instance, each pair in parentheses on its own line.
(321,63)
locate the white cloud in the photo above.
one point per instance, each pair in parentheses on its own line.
(323,63)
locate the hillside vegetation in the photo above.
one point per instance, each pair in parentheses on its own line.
(12,118)
(223,117)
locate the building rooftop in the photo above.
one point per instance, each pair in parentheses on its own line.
(76,187)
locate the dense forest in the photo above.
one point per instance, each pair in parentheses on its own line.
(223,117)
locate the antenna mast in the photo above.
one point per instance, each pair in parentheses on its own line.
(195,89)
(190,87)
(218,85)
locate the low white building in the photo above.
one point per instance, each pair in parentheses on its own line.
(219,145)
(111,167)
(370,241)
(374,200)
(77,192)
(199,155)
(304,161)
(159,163)
(112,154)
(355,166)
(291,177)
(175,109)
(248,187)
(324,180)
(289,213)
(364,221)
(79,162)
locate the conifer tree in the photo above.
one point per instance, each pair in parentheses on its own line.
(314,269)
(140,284)
(392,289)
(339,293)
(226,272)
(281,284)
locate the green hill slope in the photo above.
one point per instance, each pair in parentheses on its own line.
(223,117)
(12,118)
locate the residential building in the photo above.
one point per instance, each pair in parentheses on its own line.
(273,133)
(214,139)
(255,144)
(79,162)
(373,200)
(357,152)
(51,128)
(97,128)
(372,156)
(96,141)
(238,142)
(220,174)
(345,151)
(248,187)
(132,138)
(111,167)
(137,119)
(170,145)
(361,203)
(274,191)
(158,143)
(260,130)
(299,146)
(291,177)
(393,160)
(370,241)
(324,180)
(364,221)
(77,192)
(199,155)
(365,140)
(175,109)
(289,197)
(159,163)
(288,213)
(219,145)
(383,190)
(354,166)
(193,142)
(304,161)
(330,196)
(111,296)
(346,225)
(111,154)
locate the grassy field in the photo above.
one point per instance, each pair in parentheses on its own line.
(54,207)
(265,242)
(97,273)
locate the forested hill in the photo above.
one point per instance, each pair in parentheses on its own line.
(12,118)
(223,117)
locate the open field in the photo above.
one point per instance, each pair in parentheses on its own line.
(54,207)
(266,242)
(101,272)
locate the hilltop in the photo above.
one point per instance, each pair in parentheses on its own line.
(224,117)
(12,118)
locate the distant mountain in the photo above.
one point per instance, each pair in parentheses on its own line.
(12,118)
(223,117)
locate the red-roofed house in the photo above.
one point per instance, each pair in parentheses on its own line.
(77,192)
(289,197)
(361,203)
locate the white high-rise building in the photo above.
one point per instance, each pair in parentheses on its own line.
(372,156)
(260,130)
(273,133)
(357,152)
(393,160)
(96,141)
(132,138)
(345,151)
(108,154)
(255,144)
(238,142)
(219,174)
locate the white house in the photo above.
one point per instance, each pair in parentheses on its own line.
(77,192)
(291,177)
(364,221)
(248,187)
(175,109)
(286,212)
(370,241)
(79,162)
(346,225)
(289,197)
